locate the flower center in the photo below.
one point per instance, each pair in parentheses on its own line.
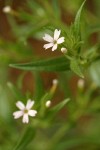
(55,42)
(25,111)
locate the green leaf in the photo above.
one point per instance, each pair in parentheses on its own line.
(39,89)
(22,32)
(71,143)
(77,19)
(17,94)
(64,78)
(58,107)
(56,8)
(53,111)
(75,67)
(5,106)
(95,72)
(33,5)
(25,139)
(52,64)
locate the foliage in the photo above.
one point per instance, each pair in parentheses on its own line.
(72,120)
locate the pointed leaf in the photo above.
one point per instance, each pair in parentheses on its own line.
(75,67)
(77,19)
(56,8)
(53,111)
(39,89)
(71,143)
(52,64)
(25,139)
(17,94)
(58,107)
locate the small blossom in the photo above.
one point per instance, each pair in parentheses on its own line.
(48,103)
(25,111)
(81,83)
(6,9)
(63,50)
(55,81)
(53,41)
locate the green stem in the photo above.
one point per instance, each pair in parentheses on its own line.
(59,135)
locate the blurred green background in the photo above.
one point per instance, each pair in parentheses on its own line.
(77,125)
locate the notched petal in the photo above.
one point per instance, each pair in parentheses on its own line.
(54,47)
(32,113)
(60,40)
(48,38)
(56,34)
(25,118)
(20,105)
(46,46)
(29,104)
(17,114)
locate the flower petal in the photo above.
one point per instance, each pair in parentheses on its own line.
(56,34)
(32,113)
(54,47)
(46,46)
(60,40)
(17,114)
(20,105)
(25,118)
(48,38)
(29,104)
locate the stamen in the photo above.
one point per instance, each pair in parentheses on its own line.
(25,111)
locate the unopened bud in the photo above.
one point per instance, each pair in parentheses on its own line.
(6,9)
(63,50)
(80,83)
(48,103)
(55,81)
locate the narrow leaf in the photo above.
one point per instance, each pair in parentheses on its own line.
(53,111)
(75,67)
(17,94)
(77,141)
(25,139)
(39,89)
(77,19)
(58,107)
(56,8)
(52,64)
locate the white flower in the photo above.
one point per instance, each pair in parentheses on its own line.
(48,103)
(25,111)
(53,41)
(6,9)
(63,50)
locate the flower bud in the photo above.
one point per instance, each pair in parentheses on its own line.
(6,9)
(48,103)
(55,81)
(64,50)
(80,83)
